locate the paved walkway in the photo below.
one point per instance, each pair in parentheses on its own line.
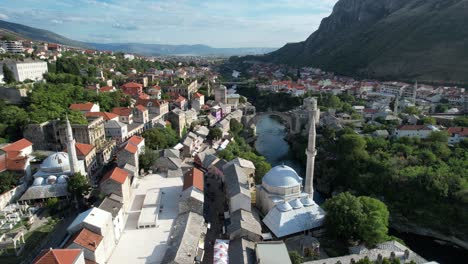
(148,245)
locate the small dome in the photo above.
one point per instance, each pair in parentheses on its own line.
(51,179)
(56,163)
(282,176)
(296,204)
(38,181)
(284,207)
(62,179)
(307,201)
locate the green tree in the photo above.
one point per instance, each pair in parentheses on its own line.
(8,75)
(295,257)
(52,204)
(357,218)
(235,126)
(148,158)
(160,138)
(215,133)
(374,227)
(438,136)
(78,187)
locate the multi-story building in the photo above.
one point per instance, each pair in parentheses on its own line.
(12,46)
(178,120)
(185,90)
(221,94)
(27,69)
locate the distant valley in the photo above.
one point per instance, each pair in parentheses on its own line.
(22,31)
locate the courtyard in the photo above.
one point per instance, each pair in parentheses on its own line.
(148,245)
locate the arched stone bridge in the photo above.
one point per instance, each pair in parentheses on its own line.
(287,117)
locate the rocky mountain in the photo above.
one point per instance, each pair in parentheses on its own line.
(37,34)
(22,31)
(388,39)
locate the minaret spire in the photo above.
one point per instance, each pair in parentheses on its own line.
(311,150)
(72,157)
(415,91)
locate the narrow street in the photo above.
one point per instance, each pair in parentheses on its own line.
(214,214)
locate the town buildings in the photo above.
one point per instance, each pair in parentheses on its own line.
(27,69)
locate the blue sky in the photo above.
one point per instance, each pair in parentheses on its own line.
(235,23)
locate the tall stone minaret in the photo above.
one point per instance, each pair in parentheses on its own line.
(72,157)
(415,92)
(311,151)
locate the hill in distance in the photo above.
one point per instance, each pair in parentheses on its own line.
(423,40)
(31,33)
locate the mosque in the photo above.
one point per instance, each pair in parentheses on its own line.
(51,180)
(288,206)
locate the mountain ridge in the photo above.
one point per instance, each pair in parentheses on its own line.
(404,39)
(137,48)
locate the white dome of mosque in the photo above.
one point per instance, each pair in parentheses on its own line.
(51,179)
(56,163)
(38,181)
(62,179)
(296,204)
(284,207)
(307,201)
(282,176)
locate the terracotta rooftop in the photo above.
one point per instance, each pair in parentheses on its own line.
(141,108)
(106,115)
(136,140)
(461,131)
(198,95)
(413,127)
(18,145)
(83,149)
(132,85)
(193,177)
(57,256)
(82,107)
(87,239)
(122,111)
(131,148)
(117,174)
(106,89)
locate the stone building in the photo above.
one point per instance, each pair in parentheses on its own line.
(117,181)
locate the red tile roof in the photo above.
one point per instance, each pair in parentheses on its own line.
(198,95)
(144,96)
(82,107)
(117,174)
(131,148)
(461,131)
(146,102)
(83,149)
(87,239)
(18,145)
(141,108)
(413,127)
(132,85)
(106,89)
(122,111)
(136,140)
(106,115)
(180,99)
(195,178)
(57,256)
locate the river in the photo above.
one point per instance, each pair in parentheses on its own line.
(271,143)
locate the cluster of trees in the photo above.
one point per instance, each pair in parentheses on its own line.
(148,158)
(408,173)
(239,148)
(363,219)
(8,76)
(265,101)
(8,180)
(160,138)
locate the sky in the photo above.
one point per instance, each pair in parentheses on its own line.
(222,24)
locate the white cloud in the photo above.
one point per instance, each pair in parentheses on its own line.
(3,16)
(55,21)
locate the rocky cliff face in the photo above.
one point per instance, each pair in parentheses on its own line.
(403,39)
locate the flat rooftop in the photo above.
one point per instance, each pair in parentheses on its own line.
(150,244)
